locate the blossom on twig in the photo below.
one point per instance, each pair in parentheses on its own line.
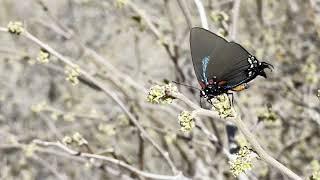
(186,121)
(72,74)
(222,105)
(15,27)
(43,56)
(243,161)
(315,170)
(161,94)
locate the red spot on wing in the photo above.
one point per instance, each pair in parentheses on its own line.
(202,84)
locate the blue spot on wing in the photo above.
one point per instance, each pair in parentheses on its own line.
(205,62)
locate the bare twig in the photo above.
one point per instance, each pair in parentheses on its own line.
(171,51)
(186,12)
(249,136)
(202,14)
(107,159)
(109,93)
(261,152)
(235,17)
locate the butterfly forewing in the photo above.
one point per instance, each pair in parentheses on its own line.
(203,43)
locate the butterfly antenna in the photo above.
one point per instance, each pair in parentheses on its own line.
(186,85)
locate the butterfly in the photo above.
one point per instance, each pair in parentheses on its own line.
(222,66)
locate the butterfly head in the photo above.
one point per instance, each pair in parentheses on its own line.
(262,66)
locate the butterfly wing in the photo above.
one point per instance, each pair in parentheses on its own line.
(231,65)
(215,58)
(202,44)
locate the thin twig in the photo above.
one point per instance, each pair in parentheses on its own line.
(107,159)
(261,152)
(202,14)
(249,136)
(183,6)
(109,93)
(171,51)
(235,17)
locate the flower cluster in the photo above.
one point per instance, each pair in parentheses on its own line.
(69,117)
(72,74)
(269,117)
(43,56)
(315,170)
(310,71)
(121,3)
(36,108)
(222,20)
(243,161)
(76,138)
(222,105)
(29,149)
(107,129)
(15,27)
(186,121)
(161,94)
(219,16)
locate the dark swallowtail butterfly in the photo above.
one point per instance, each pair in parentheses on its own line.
(220,65)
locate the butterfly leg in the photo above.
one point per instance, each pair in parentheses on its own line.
(209,101)
(231,99)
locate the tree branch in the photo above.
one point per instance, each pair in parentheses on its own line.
(202,14)
(109,93)
(245,130)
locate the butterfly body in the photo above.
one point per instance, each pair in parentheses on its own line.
(222,66)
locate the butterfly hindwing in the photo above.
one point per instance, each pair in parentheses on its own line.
(230,60)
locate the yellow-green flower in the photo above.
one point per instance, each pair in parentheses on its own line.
(222,32)
(29,149)
(315,170)
(107,129)
(310,70)
(36,108)
(222,105)
(170,138)
(15,27)
(219,16)
(69,117)
(161,94)
(186,121)
(78,138)
(43,56)
(243,161)
(121,3)
(269,117)
(72,74)
(67,140)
